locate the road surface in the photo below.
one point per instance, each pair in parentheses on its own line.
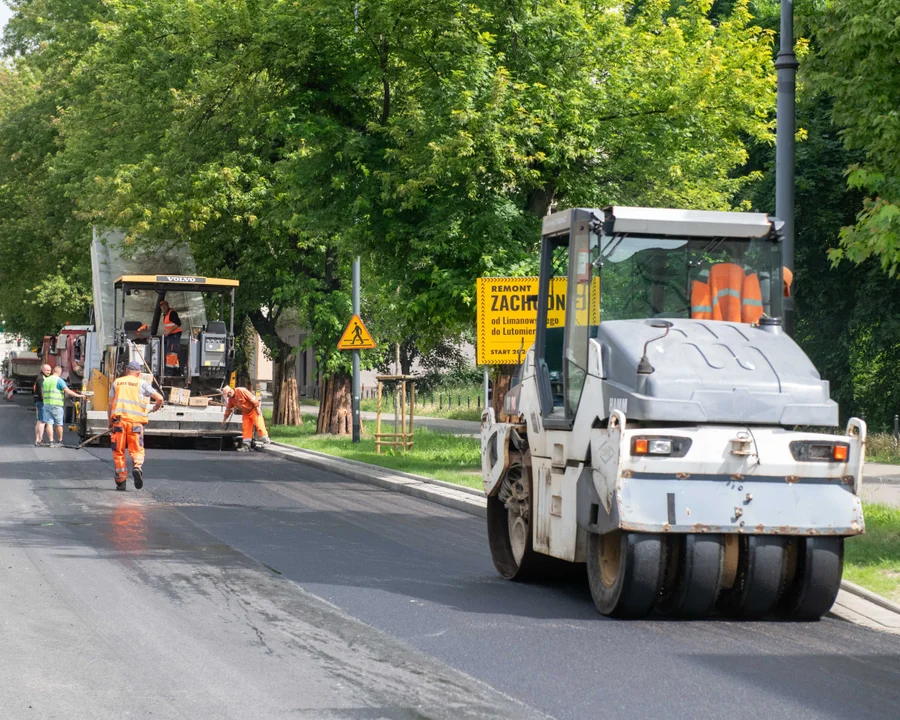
(243,586)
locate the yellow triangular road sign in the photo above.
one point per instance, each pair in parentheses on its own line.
(356,337)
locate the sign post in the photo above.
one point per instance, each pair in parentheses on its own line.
(356,337)
(355,388)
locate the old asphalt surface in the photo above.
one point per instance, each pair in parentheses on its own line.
(242,586)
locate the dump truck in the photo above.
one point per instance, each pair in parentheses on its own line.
(128,289)
(659,435)
(71,345)
(24,367)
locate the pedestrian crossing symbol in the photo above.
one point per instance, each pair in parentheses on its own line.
(356,336)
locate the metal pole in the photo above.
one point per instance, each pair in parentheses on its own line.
(396,396)
(786,65)
(487,390)
(355,399)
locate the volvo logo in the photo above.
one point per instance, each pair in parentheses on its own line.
(180,279)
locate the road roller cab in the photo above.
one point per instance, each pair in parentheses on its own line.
(653,435)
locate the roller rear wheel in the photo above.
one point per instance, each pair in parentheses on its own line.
(509,526)
(694,578)
(760,579)
(625,572)
(820,565)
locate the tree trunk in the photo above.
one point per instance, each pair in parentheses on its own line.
(285,410)
(540,199)
(244,346)
(408,354)
(335,416)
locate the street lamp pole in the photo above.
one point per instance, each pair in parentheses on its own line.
(786,65)
(355,388)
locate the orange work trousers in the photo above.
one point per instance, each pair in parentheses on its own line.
(251,419)
(127,435)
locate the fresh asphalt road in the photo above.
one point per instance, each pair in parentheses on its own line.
(241,585)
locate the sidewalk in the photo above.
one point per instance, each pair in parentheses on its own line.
(881,484)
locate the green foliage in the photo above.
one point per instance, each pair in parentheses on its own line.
(44,266)
(856,62)
(501,110)
(846,315)
(873,560)
(882,448)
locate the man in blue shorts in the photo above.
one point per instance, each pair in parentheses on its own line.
(55,390)
(38,392)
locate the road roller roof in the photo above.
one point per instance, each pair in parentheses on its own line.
(666,222)
(176,282)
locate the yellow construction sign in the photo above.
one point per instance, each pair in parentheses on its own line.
(356,336)
(507,315)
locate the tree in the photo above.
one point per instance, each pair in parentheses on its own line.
(847,315)
(856,63)
(497,111)
(44,262)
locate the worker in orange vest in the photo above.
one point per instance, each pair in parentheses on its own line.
(171,333)
(731,294)
(251,417)
(127,416)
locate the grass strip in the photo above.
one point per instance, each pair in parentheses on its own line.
(873,560)
(882,448)
(440,456)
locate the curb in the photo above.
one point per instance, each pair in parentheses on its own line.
(861,592)
(457,497)
(472,501)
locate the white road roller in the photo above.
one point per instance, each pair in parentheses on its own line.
(655,435)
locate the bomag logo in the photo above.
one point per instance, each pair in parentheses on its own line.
(180,279)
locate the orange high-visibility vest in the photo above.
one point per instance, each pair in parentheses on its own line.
(726,283)
(127,401)
(751,302)
(168,326)
(701,304)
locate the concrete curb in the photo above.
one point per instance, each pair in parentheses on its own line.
(468,500)
(862,607)
(870,596)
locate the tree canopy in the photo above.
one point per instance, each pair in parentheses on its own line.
(856,64)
